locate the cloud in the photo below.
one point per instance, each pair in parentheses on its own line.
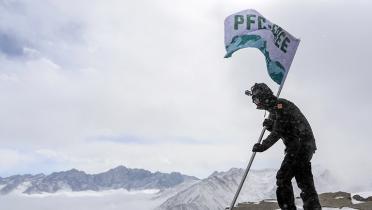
(119,138)
(10,46)
(82,200)
(10,158)
(149,82)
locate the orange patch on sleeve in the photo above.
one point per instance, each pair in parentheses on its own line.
(280,106)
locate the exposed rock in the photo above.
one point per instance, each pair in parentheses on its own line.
(263,205)
(335,200)
(360,198)
(331,200)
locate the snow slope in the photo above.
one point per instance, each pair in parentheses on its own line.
(217,191)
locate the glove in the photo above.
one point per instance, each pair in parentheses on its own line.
(258,148)
(268,123)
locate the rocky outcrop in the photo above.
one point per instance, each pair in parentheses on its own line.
(330,200)
(360,198)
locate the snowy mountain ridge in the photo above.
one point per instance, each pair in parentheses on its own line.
(174,191)
(75,180)
(216,191)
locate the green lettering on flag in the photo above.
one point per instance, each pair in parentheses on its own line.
(279,39)
(250,21)
(261,21)
(285,43)
(238,19)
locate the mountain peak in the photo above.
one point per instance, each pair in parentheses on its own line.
(119,168)
(119,177)
(74,170)
(230,172)
(217,190)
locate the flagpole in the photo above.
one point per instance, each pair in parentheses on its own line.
(246,172)
(259,141)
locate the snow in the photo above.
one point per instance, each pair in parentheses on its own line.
(217,191)
(21,188)
(365,194)
(260,185)
(92,200)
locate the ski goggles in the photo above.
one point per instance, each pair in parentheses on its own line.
(256,100)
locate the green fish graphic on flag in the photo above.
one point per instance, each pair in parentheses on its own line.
(249,28)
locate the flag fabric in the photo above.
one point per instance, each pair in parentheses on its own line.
(249,28)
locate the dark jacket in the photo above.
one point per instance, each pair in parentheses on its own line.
(290,125)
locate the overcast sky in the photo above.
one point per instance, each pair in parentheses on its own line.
(94,84)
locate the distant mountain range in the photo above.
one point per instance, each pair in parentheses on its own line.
(75,180)
(176,191)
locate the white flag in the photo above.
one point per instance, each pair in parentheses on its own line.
(249,28)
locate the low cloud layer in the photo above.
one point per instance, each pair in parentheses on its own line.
(113,200)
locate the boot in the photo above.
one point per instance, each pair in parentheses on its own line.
(289,207)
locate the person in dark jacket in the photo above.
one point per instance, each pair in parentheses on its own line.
(286,122)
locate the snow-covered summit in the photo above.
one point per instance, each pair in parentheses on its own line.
(217,190)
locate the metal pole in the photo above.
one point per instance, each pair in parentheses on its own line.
(246,172)
(254,153)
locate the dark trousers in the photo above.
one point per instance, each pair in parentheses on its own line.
(296,165)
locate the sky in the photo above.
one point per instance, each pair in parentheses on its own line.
(96,84)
